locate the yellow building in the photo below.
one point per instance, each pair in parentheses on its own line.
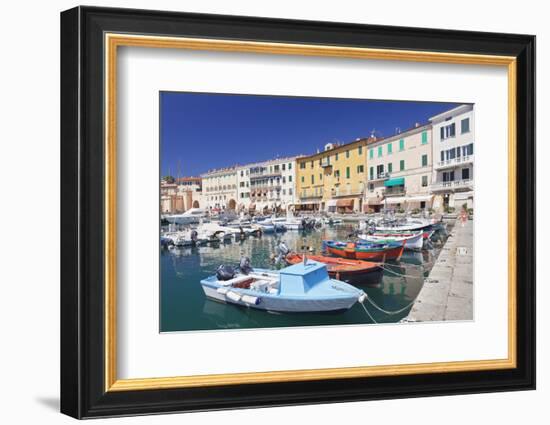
(333,180)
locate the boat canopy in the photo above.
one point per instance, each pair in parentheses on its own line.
(397,181)
(299,278)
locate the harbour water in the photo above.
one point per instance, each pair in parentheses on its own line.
(184,306)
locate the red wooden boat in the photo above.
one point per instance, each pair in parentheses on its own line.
(351,271)
(365,251)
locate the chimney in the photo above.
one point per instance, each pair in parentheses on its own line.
(416,124)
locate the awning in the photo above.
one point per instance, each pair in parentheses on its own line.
(344,203)
(420,198)
(308,203)
(397,181)
(374,201)
(331,203)
(395,200)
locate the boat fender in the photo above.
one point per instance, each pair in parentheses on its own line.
(362,298)
(233,296)
(249,299)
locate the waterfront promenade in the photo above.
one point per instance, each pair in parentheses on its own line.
(447,293)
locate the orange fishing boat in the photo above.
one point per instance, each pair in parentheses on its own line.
(366,250)
(350,271)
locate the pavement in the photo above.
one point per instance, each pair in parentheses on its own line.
(448,291)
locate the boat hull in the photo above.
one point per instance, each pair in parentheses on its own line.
(286,305)
(414,242)
(352,251)
(354,272)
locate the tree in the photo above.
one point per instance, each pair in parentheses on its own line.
(169,179)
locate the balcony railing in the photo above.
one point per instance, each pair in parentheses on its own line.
(345,192)
(455,161)
(394,191)
(453,185)
(380,176)
(325,163)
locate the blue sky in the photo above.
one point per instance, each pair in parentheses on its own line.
(202,131)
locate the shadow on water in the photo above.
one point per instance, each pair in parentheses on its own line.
(185,308)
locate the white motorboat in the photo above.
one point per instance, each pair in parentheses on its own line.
(414,241)
(191,216)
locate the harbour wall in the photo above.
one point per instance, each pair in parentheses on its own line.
(447,293)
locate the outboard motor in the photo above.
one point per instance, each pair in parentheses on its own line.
(194,235)
(244,265)
(225,272)
(282,248)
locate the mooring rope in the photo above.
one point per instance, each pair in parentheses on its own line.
(368,314)
(399,274)
(392,313)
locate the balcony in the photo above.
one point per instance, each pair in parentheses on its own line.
(450,163)
(325,163)
(380,176)
(453,186)
(265,175)
(344,192)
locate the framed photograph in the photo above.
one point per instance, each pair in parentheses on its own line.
(261,212)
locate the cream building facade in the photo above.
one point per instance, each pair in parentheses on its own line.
(453,152)
(219,189)
(400,170)
(267,185)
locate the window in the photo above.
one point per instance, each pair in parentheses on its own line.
(402,144)
(465,174)
(321,176)
(401,165)
(290,166)
(424,160)
(465,125)
(337,173)
(312,179)
(379,170)
(311,164)
(424,137)
(319,162)
(290,191)
(360,150)
(303,180)
(371,187)
(284,191)
(447,131)
(290,179)
(424,181)
(347,154)
(442,156)
(336,157)
(371,173)
(448,176)
(390,148)
(390,167)
(347,172)
(302,165)
(470,149)
(360,169)
(283,166)
(242,174)
(379,151)
(371,153)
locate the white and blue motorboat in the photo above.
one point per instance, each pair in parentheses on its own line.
(303,287)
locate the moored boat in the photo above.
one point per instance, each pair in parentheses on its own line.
(355,272)
(303,287)
(412,240)
(365,250)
